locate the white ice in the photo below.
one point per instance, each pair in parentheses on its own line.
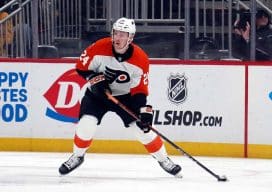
(29,172)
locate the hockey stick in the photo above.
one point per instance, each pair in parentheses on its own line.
(117,102)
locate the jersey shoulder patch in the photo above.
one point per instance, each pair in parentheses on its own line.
(100,47)
(139,58)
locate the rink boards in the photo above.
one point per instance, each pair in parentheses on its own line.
(216,108)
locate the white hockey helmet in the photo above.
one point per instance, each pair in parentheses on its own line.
(125,25)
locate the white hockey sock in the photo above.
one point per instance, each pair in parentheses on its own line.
(161,154)
(85,130)
(151,141)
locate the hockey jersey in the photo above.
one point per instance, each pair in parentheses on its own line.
(129,76)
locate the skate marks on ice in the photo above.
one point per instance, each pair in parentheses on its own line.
(108,172)
(42,168)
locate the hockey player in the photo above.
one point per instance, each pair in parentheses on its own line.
(117,65)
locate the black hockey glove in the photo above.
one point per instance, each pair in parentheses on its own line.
(99,85)
(146,117)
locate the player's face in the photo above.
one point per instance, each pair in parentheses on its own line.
(120,40)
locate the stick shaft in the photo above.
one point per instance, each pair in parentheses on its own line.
(117,102)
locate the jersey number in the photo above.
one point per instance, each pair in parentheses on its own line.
(84,58)
(145,80)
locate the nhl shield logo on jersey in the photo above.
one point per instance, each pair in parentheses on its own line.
(177,90)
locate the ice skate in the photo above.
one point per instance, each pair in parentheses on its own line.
(72,163)
(170,167)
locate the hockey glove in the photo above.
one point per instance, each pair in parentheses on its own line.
(146,117)
(99,85)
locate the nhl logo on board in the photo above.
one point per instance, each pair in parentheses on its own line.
(177,90)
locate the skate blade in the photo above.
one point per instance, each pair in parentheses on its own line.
(179,175)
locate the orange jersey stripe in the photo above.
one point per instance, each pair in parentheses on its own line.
(154,145)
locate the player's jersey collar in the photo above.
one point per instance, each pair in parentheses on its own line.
(125,56)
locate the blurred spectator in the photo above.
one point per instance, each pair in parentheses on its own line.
(6,34)
(263,36)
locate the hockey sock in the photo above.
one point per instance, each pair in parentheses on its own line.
(85,130)
(151,141)
(157,149)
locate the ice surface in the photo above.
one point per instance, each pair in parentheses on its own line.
(29,172)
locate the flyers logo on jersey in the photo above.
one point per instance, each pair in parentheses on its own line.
(119,76)
(64,97)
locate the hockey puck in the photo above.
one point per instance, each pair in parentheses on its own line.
(222,178)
